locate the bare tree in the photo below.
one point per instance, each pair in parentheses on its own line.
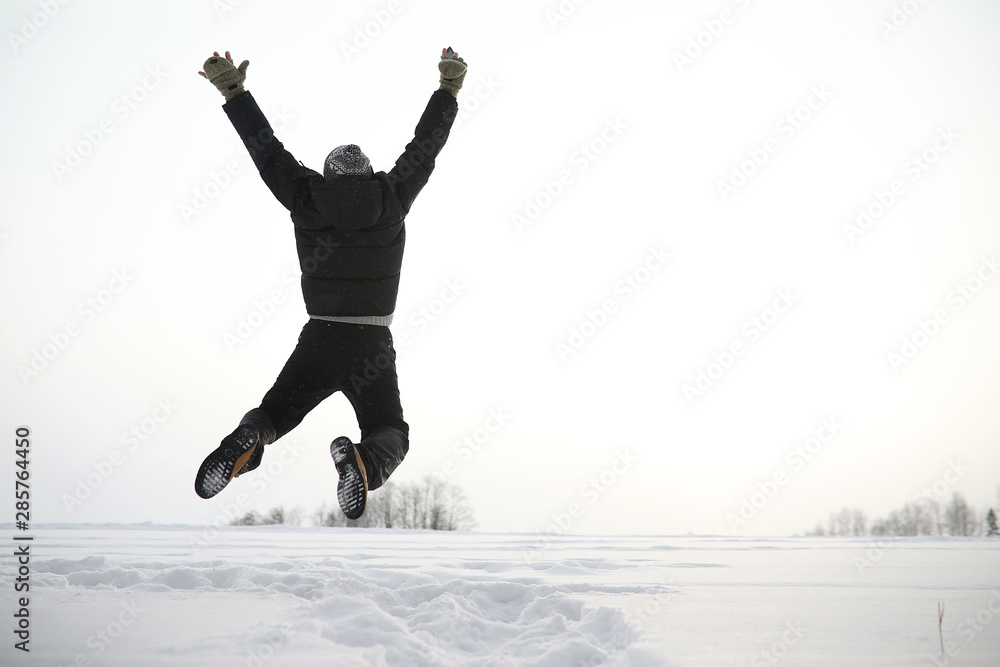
(934,513)
(277,515)
(859,523)
(923,516)
(460,515)
(839,523)
(318,516)
(846,522)
(430,504)
(916,519)
(389,503)
(409,507)
(818,531)
(959,517)
(885,527)
(251,518)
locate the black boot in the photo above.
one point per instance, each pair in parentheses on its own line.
(352,487)
(239,452)
(260,421)
(253,462)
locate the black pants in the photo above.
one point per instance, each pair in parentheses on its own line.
(357,359)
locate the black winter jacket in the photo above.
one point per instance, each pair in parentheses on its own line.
(349,231)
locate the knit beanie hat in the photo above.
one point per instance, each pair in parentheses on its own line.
(346,161)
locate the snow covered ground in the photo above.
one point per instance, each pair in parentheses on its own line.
(153,595)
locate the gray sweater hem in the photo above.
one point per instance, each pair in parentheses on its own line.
(379,320)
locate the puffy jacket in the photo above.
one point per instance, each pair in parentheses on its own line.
(350,230)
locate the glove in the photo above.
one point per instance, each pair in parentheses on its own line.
(225,75)
(452,70)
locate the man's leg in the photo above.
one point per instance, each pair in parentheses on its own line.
(306,380)
(375,397)
(311,374)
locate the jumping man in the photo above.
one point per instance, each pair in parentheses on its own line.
(349,232)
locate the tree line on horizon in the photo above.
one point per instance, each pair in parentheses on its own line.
(926,516)
(431,504)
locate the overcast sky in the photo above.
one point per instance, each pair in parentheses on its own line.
(671,257)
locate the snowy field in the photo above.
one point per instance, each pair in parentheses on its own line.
(152,595)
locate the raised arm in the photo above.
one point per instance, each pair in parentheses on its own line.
(414,166)
(282,174)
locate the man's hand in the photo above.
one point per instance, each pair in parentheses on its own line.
(452,70)
(225,75)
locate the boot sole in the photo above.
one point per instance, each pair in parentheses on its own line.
(222,465)
(352,489)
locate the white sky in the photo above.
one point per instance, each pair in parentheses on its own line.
(535,94)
